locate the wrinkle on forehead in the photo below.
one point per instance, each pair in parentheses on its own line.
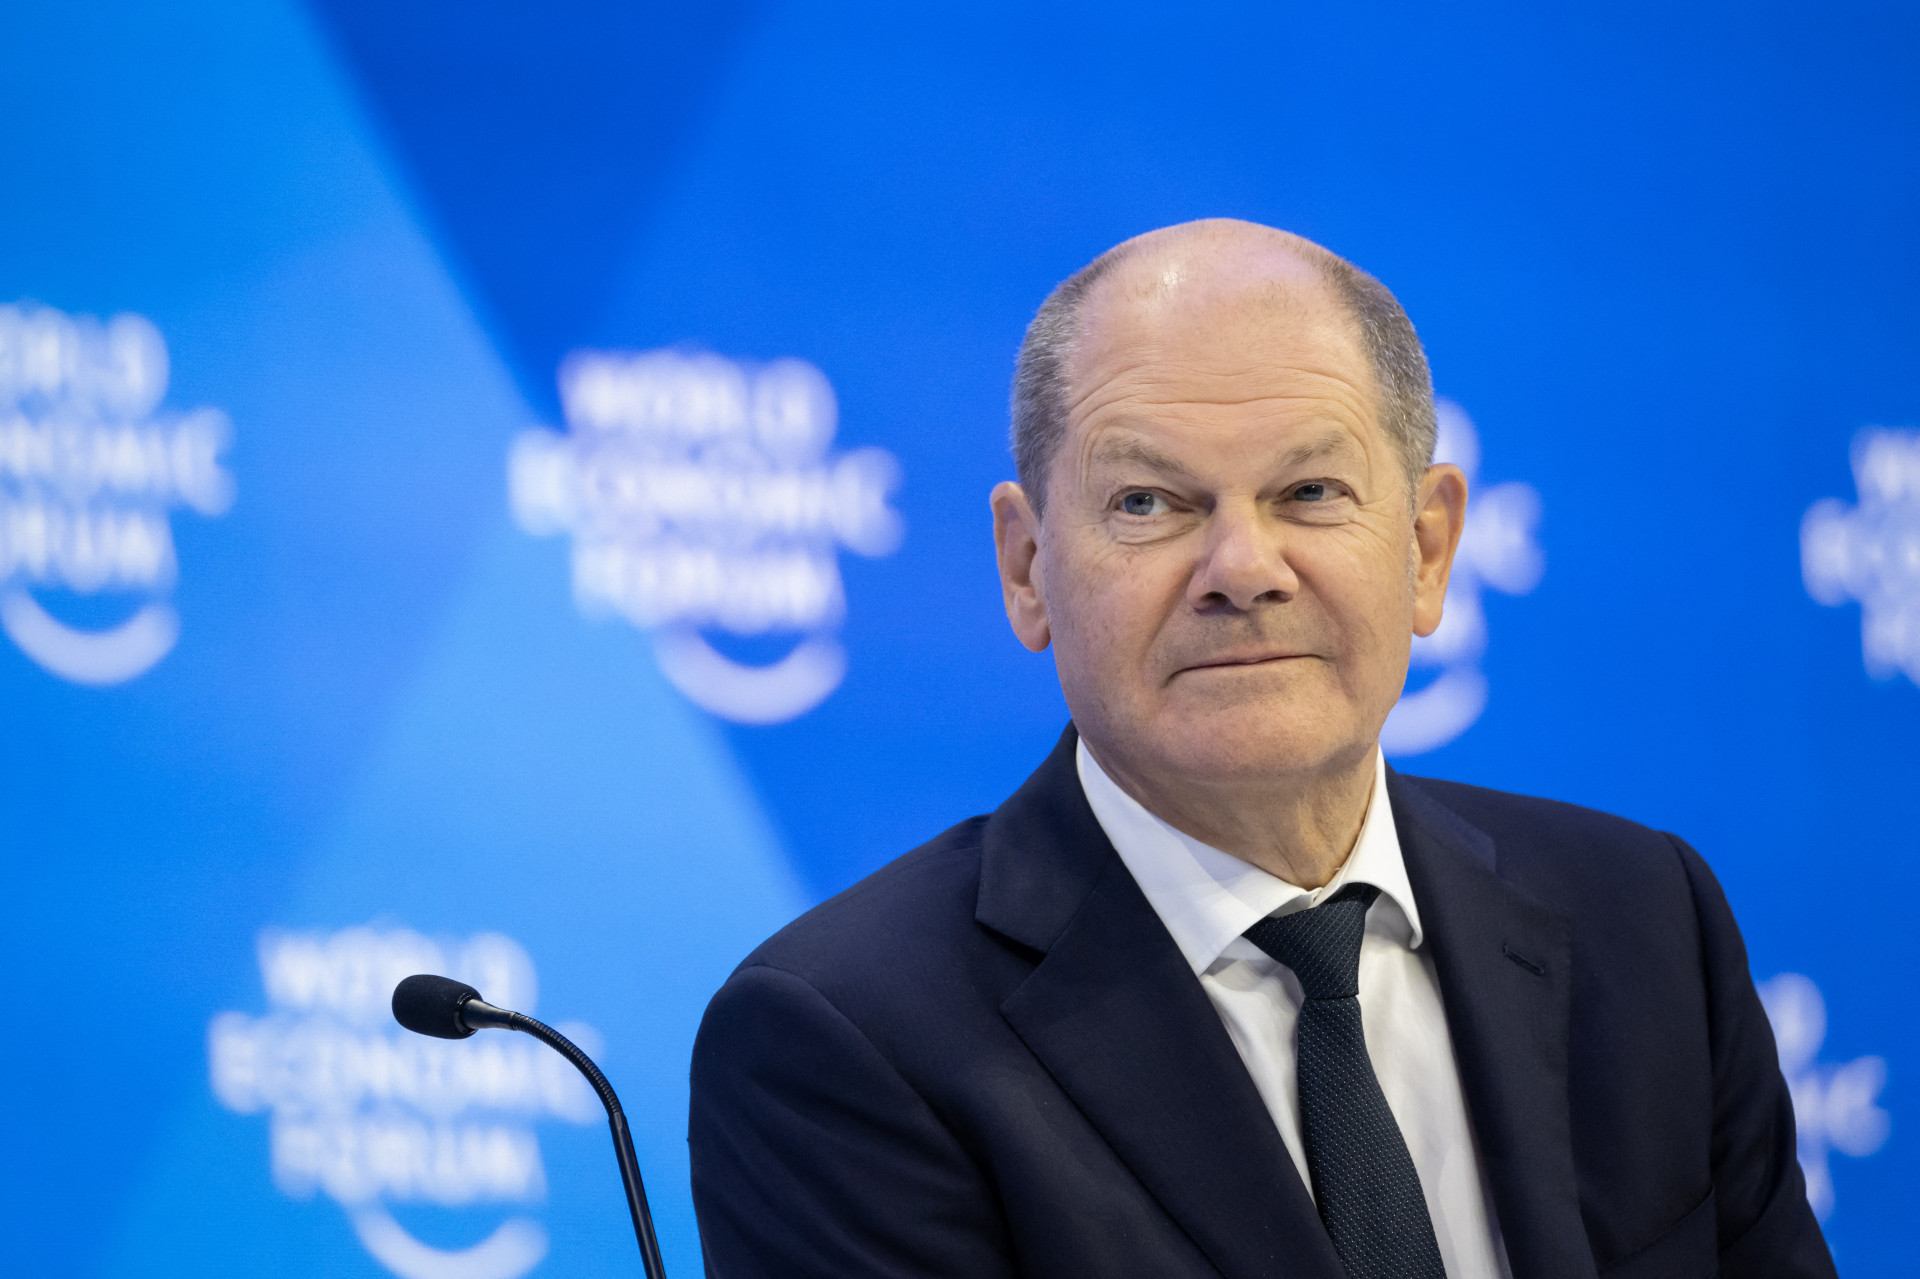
(1138,377)
(1243,342)
(1141,396)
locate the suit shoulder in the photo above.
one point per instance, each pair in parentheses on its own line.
(1489,809)
(1551,840)
(912,901)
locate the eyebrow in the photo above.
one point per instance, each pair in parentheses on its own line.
(1328,445)
(1126,449)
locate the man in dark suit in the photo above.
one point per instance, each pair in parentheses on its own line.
(1217,993)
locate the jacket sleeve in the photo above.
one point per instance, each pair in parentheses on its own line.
(1767,1230)
(812,1156)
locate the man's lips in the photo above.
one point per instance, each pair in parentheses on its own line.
(1241,660)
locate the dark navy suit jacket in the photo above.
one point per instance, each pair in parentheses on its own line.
(990,1059)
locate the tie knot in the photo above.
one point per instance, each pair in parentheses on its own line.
(1321,945)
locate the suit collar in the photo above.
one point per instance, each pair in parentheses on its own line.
(1504,965)
(1120,1021)
(1041,853)
(1208,898)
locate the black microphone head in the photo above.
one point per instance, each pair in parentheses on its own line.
(429,1005)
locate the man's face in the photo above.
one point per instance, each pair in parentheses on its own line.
(1228,569)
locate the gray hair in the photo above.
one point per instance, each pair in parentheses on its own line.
(1402,383)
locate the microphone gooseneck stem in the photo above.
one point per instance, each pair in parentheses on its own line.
(636,1194)
(477,1013)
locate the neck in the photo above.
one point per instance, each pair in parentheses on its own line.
(1299,827)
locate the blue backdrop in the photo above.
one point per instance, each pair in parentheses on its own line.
(502,488)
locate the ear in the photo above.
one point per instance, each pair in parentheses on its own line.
(1439,517)
(1016,540)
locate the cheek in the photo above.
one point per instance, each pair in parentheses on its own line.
(1108,602)
(1364,585)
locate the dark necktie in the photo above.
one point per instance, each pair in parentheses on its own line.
(1363,1178)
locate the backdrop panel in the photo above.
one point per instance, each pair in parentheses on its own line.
(505,491)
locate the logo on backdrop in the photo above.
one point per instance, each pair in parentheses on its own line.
(703,502)
(1870,553)
(90,469)
(372,1116)
(1833,1106)
(1497,550)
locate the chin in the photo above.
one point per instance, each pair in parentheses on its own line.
(1255,740)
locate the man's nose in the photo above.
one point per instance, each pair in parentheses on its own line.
(1243,563)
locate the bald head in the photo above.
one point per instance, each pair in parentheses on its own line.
(1179,280)
(1213,262)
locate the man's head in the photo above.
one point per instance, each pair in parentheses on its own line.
(1228,431)
(1040,401)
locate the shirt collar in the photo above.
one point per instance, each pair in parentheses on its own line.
(1207,898)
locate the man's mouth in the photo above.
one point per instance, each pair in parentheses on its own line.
(1231,661)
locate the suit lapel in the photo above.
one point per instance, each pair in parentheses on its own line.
(1503,964)
(1116,1016)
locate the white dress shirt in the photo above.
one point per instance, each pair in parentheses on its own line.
(1207,898)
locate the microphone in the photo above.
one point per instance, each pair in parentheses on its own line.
(449,1009)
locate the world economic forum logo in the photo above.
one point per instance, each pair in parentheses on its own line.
(1833,1105)
(90,468)
(1870,553)
(373,1117)
(1498,550)
(703,502)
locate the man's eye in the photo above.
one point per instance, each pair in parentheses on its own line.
(1142,503)
(1310,493)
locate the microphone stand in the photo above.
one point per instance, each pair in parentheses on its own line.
(477,1013)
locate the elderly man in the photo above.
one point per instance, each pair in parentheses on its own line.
(1217,993)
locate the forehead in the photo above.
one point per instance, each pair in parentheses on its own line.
(1230,341)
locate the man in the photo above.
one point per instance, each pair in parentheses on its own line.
(1217,993)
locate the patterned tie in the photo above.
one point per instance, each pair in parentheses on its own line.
(1363,1178)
